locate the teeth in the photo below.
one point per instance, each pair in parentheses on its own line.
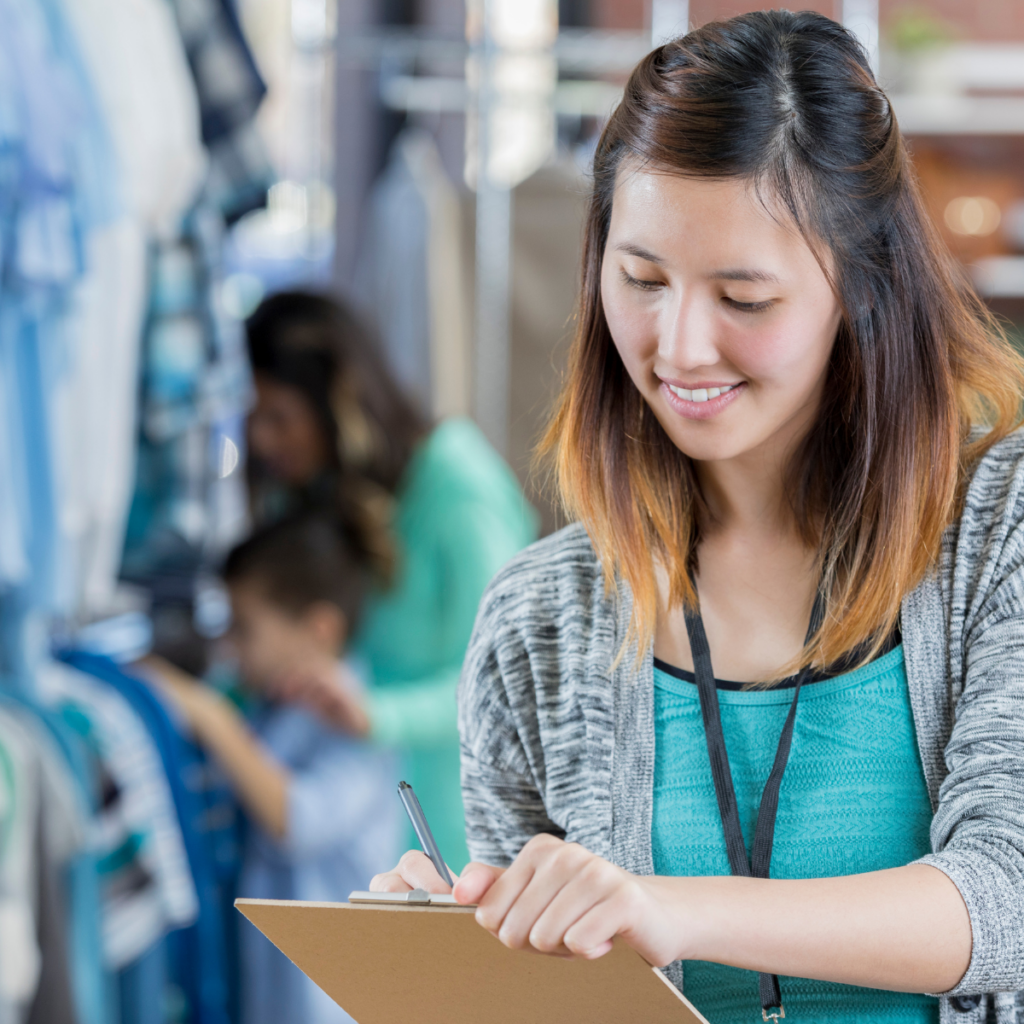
(700,394)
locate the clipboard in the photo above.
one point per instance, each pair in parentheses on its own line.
(403,960)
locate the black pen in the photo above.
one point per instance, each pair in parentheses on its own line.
(423,833)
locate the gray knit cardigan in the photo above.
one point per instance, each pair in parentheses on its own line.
(556,740)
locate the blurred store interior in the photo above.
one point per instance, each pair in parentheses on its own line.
(166,166)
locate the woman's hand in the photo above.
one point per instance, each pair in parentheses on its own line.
(416,871)
(561,899)
(331,691)
(556,898)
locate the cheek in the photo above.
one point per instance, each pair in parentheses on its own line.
(262,435)
(633,328)
(789,350)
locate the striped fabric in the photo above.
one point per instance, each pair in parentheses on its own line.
(557,738)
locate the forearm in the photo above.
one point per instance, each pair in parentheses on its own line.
(422,713)
(259,782)
(905,929)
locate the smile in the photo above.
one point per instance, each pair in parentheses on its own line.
(702,403)
(699,394)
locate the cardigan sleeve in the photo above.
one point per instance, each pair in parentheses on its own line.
(501,788)
(978,829)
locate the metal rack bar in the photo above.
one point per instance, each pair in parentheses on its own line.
(493,256)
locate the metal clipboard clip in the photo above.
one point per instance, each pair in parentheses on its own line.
(418,897)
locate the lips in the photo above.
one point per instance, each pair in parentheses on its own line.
(701,403)
(699,394)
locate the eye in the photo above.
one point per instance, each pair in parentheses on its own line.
(637,282)
(747,307)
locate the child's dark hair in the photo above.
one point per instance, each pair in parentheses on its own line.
(299,562)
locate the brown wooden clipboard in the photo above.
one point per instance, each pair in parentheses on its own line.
(395,964)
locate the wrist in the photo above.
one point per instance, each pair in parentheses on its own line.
(688,909)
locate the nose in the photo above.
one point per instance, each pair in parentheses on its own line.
(687,337)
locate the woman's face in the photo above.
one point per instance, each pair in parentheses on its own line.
(721,314)
(286,434)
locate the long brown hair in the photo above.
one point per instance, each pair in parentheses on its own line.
(316,344)
(788,102)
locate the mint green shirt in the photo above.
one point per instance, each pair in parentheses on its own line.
(461,515)
(853,800)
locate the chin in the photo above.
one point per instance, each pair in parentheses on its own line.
(710,449)
(709,442)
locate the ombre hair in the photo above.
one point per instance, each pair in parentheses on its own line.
(789,103)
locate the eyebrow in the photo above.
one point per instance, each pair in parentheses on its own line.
(732,274)
(640,252)
(742,274)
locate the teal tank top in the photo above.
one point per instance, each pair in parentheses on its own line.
(853,800)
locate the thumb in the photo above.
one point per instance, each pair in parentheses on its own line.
(474,881)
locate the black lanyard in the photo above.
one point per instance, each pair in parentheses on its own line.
(760,861)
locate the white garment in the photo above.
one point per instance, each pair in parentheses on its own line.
(132,920)
(137,64)
(44,799)
(20,957)
(96,410)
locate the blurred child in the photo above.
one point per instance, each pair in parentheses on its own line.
(322,805)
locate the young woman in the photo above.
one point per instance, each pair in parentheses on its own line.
(434,508)
(761,712)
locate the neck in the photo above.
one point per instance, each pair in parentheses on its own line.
(743,494)
(748,491)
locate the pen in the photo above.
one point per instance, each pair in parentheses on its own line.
(423,833)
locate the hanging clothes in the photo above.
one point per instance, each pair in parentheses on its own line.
(230,90)
(43,830)
(411,283)
(196,382)
(136,59)
(199,962)
(90,982)
(58,185)
(147,888)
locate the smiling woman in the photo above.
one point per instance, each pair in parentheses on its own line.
(784,398)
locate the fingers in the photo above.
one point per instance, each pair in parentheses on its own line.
(515,901)
(418,872)
(591,933)
(390,881)
(549,932)
(414,871)
(558,899)
(475,881)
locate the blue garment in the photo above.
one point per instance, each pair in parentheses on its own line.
(344,822)
(143,986)
(198,953)
(90,982)
(230,90)
(57,181)
(853,800)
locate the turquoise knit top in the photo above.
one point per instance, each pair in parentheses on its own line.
(853,800)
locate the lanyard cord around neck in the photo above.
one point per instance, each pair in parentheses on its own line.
(759,864)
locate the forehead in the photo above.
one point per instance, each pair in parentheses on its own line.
(705,224)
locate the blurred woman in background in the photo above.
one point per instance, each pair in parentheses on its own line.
(434,509)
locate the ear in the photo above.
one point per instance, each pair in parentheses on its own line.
(328,624)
